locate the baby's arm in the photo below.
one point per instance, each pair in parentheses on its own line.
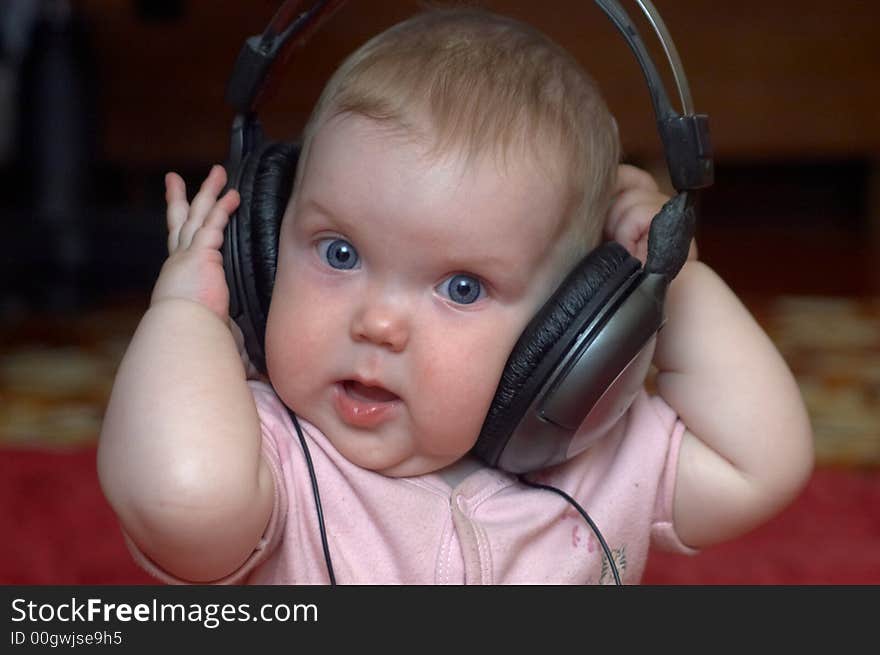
(748,448)
(179,457)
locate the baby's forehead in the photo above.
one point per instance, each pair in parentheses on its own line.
(523,149)
(404,180)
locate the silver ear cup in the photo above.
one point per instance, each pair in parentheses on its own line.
(595,382)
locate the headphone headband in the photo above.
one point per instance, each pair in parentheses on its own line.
(685,137)
(259,53)
(252,71)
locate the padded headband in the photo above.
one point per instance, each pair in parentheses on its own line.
(685,137)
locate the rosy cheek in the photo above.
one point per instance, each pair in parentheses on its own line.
(463,389)
(288,332)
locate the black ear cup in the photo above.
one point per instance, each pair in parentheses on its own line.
(265,187)
(548,337)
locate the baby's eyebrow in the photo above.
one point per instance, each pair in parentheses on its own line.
(313,207)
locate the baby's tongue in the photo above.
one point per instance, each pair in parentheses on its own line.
(360,391)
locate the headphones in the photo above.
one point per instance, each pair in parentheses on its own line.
(580,362)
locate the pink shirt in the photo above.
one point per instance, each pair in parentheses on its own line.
(489,529)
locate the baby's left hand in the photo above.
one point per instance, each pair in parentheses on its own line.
(635,202)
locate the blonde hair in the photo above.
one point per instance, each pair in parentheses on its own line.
(485,82)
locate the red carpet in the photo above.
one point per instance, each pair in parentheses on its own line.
(57,529)
(56,526)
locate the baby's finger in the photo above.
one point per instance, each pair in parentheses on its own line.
(223,209)
(622,208)
(210,235)
(632,232)
(177,208)
(632,229)
(201,205)
(207,194)
(207,238)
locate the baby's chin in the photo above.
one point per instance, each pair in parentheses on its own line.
(416,466)
(394,465)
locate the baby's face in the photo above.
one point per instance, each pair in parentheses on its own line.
(403,283)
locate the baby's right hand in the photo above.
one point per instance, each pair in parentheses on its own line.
(194,268)
(637,199)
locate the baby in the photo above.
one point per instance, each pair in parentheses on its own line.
(454,170)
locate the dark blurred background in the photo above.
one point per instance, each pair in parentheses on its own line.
(98,99)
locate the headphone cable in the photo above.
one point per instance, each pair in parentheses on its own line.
(522,478)
(595,528)
(320,512)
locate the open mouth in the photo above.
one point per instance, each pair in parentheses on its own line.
(367,394)
(364,406)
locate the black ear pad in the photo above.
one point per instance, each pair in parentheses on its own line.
(265,187)
(548,337)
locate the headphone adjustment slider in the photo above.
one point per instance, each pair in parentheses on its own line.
(249,74)
(688,151)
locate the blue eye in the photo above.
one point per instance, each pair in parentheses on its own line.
(338,253)
(461,289)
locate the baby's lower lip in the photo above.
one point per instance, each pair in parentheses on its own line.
(364,407)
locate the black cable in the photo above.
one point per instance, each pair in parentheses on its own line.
(573,502)
(522,478)
(302,441)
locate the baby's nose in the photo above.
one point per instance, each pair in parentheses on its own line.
(382,324)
